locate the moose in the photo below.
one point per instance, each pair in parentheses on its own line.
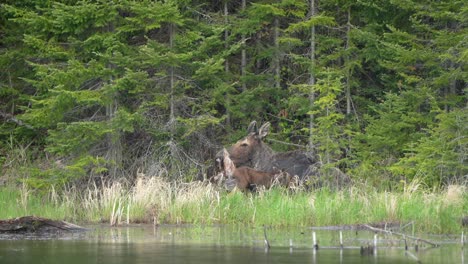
(247,178)
(251,151)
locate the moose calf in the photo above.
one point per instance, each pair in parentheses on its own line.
(248,178)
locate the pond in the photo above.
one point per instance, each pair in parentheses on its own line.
(221,244)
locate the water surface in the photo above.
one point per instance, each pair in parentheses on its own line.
(186,244)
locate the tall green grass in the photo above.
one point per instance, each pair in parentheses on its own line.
(154,200)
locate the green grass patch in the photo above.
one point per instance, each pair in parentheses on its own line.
(154,200)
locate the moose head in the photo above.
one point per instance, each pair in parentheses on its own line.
(251,149)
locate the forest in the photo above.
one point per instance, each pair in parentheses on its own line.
(108,89)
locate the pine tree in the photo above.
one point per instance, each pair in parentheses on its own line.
(101,89)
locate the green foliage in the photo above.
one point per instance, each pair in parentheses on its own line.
(59,175)
(399,122)
(402,120)
(328,130)
(160,85)
(319,20)
(441,156)
(75,138)
(193,125)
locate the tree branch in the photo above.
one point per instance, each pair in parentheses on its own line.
(12,118)
(286,143)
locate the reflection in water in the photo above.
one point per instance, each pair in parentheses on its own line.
(210,245)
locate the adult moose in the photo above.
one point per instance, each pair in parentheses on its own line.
(251,151)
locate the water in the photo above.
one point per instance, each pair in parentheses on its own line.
(175,244)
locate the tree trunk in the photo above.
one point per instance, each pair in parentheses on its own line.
(312,79)
(173,164)
(226,34)
(452,89)
(172,115)
(114,152)
(243,54)
(276,59)
(348,71)
(226,62)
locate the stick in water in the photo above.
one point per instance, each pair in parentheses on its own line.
(462,240)
(267,244)
(341,239)
(314,241)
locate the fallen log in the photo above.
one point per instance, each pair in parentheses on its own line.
(34,224)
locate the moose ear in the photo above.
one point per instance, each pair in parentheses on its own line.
(252,127)
(229,166)
(264,129)
(225,153)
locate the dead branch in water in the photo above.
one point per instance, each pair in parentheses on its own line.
(267,244)
(400,234)
(383,225)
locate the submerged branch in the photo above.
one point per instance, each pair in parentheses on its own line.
(399,234)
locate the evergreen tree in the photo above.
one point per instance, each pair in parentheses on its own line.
(104,88)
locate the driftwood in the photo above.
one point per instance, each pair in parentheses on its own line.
(33,224)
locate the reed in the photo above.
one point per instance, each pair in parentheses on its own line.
(155,200)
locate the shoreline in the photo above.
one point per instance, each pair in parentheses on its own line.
(156,201)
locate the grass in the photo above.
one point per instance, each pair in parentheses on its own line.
(154,200)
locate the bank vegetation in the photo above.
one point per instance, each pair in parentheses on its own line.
(154,200)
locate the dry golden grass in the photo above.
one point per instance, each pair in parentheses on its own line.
(391,206)
(153,199)
(454,194)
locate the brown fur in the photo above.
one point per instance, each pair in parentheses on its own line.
(303,166)
(248,178)
(252,152)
